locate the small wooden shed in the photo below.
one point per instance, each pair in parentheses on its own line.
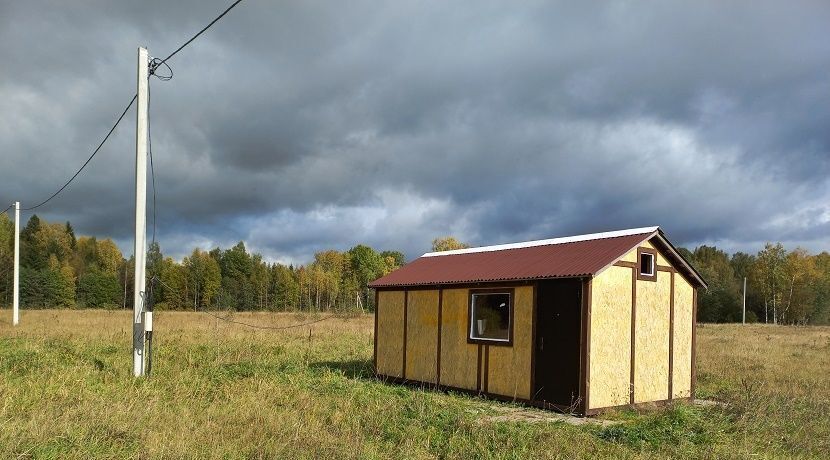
(579,323)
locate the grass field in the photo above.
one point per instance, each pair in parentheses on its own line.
(220,390)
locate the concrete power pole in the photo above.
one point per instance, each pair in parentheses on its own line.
(16,295)
(140,212)
(744,299)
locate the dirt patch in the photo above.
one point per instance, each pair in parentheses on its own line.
(709,403)
(530,415)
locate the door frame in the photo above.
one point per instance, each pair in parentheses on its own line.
(584,347)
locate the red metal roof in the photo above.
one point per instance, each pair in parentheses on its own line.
(558,260)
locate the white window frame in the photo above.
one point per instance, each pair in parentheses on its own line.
(473,338)
(653,264)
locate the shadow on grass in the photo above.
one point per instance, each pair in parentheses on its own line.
(354,369)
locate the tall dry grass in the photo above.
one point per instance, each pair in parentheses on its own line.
(221,390)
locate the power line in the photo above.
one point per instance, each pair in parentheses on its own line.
(152,168)
(163,61)
(154,65)
(88,159)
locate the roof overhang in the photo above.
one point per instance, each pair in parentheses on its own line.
(680,262)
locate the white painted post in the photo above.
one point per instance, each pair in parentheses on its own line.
(140,212)
(16,295)
(744,299)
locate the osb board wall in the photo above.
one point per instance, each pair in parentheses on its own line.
(459,359)
(610,361)
(630,256)
(651,339)
(682,360)
(509,367)
(422,336)
(389,359)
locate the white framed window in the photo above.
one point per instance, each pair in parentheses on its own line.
(491,316)
(646,264)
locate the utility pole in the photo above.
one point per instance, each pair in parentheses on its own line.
(140,212)
(744,299)
(16,295)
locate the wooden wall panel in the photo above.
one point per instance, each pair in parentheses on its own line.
(610,364)
(682,361)
(459,359)
(422,336)
(651,339)
(509,371)
(630,256)
(390,333)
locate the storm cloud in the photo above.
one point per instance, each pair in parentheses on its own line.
(301,126)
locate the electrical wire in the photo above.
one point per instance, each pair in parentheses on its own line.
(152,167)
(149,299)
(153,67)
(163,61)
(97,149)
(253,326)
(10,206)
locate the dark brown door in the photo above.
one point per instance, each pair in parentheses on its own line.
(558,322)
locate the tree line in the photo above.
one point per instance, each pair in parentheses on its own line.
(783,287)
(58,270)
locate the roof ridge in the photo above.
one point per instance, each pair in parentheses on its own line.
(547,242)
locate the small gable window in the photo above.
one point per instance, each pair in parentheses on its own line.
(647,264)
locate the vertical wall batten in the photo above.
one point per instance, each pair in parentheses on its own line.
(671,337)
(375,355)
(405,301)
(694,341)
(440,320)
(478,369)
(633,329)
(486,367)
(534,315)
(585,346)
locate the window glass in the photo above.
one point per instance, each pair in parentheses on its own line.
(646,264)
(490,317)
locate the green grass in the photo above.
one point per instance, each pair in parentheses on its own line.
(223,391)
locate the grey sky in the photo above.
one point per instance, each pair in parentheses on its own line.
(301,126)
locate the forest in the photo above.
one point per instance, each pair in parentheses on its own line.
(60,270)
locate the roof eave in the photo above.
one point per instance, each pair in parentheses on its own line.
(454,283)
(658,233)
(685,263)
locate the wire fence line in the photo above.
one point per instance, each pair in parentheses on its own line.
(241,323)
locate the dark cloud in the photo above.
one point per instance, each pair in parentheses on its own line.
(301,126)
